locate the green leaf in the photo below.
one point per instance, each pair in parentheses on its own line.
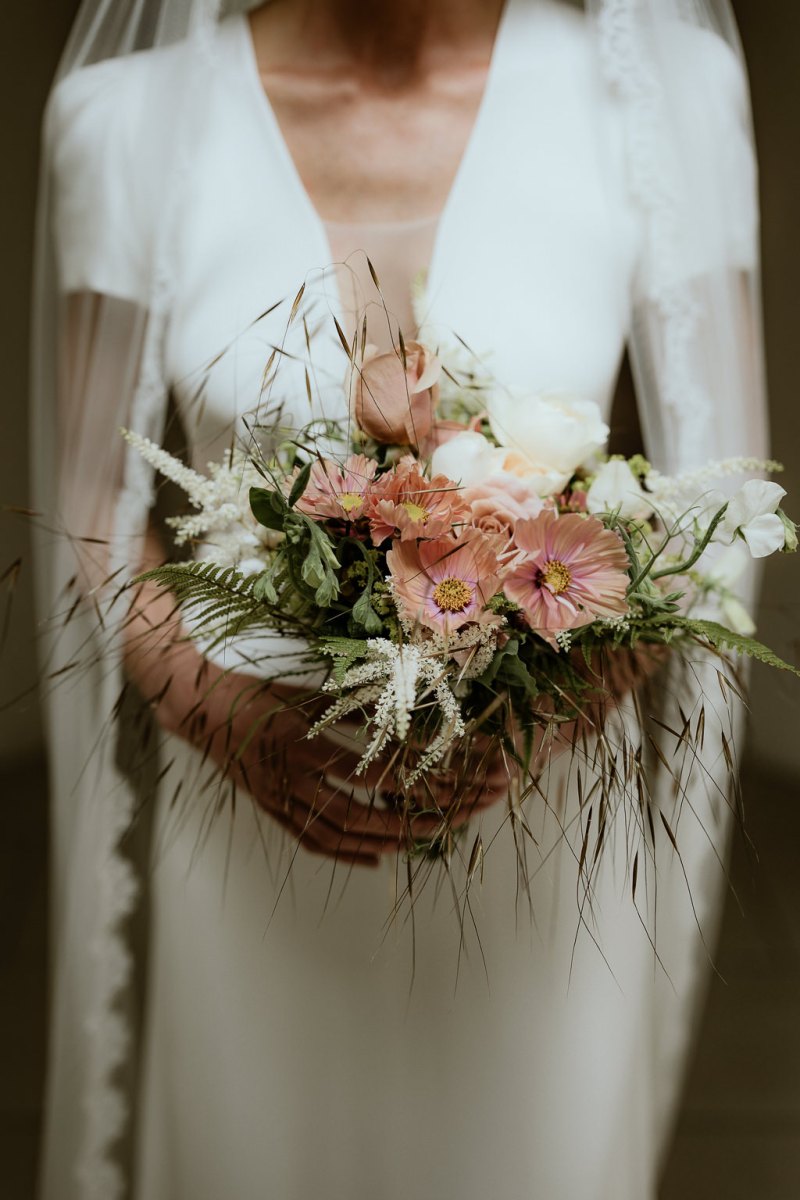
(264,586)
(720,637)
(509,667)
(323,543)
(299,486)
(364,614)
(514,671)
(345,652)
(313,569)
(268,507)
(490,674)
(327,591)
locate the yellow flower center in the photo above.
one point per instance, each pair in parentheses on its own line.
(415,511)
(556,576)
(452,595)
(350,500)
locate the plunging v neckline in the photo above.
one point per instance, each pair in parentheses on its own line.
(470,152)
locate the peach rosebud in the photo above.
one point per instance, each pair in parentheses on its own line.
(395,402)
(502,501)
(497,504)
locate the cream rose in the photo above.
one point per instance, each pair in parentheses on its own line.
(545,437)
(467,458)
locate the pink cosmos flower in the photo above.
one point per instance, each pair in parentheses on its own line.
(446,583)
(338,491)
(404,503)
(573,570)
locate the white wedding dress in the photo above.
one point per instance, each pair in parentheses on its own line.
(297,1044)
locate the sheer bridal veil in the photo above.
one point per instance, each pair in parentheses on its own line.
(676,70)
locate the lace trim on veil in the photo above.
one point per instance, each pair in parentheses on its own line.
(628,62)
(106,1104)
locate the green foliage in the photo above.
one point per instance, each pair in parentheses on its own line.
(345,652)
(307,553)
(222,600)
(268,507)
(722,638)
(299,486)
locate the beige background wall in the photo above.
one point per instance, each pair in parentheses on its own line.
(771,36)
(771,33)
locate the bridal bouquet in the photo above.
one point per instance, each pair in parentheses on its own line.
(463,560)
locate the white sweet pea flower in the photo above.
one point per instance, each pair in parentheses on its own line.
(546,437)
(752,515)
(615,488)
(722,569)
(706,507)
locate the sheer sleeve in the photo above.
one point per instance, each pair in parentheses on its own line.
(697,358)
(696,342)
(707,170)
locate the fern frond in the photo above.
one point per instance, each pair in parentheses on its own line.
(222,600)
(722,638)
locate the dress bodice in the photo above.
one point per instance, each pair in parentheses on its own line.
(536,260)
(530,263)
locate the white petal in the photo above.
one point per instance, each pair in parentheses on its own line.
(706,507)
(736,617)
(616,489)
(556,432)
(764,535)
(468,458)
(754,499)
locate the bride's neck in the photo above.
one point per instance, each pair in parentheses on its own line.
(390,43)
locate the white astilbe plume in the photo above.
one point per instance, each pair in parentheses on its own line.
(223,522)
(688,487)
(396,679)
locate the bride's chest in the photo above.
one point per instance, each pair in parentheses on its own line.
(532,268)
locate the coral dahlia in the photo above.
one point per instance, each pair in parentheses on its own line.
(404,503)
(338,491)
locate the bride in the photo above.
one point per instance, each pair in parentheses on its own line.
(567,182)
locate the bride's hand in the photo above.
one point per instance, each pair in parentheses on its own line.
(256,733)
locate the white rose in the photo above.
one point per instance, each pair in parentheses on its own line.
(615,488)
(468,458)
(752,515)
(546,437)
(516,468)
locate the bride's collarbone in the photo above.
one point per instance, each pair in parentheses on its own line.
(369,149)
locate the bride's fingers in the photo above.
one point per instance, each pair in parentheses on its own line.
(372,820)
(321,839)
